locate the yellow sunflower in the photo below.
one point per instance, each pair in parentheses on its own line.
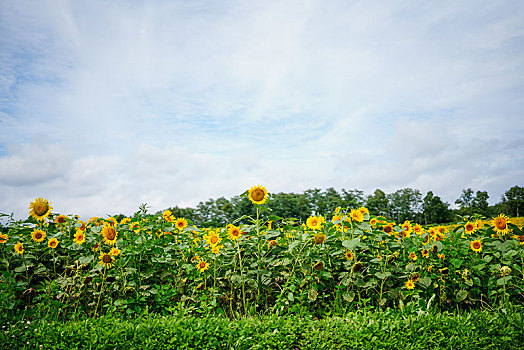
(413,256)
(406,229)
(356,215)
(40,209)
(106,260)
(111,221)
(52,243)
(349,255)
(234,232)
(409,284)
(476,246)
(212,239)
(110,235)
(500,224)
(3,237)
(216,248)
(314,222)
(181,223)
(38,235)
(425,253)
(388,229)
(418,229)
(19,248)
(125,221)
(80,237)
(364,210)
(258,194)
(373,222)
(61,219)
(115,251)
(470,227)
(202,266)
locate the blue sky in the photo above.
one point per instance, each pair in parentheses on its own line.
(108,105)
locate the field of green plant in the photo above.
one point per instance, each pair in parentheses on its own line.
(58,267)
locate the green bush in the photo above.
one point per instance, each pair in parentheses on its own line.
(363,330)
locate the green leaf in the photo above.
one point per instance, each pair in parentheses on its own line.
(349,296)
(351,244)
(85,259)
(290,296)
(383,275)
(425,281)
(461,295)
(456,262)
(312,294)
(503,280)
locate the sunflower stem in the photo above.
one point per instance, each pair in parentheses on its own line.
(101,289)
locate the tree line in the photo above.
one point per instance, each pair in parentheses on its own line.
(401,205)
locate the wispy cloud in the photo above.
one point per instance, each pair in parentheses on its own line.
(104,106)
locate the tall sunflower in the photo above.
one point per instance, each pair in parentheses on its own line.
(80,237)
(19,248)
(314,222)
(202,266)
(52,243)
(258,194)
(500,224)
(181,223)
(476,246)
(38,235)
(234,232)
(40,209)
(356,215)
(110,235)
(106,260)
(470,227)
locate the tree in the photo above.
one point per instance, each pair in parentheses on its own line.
(405,204)
(434,210)
(378,203)
(513,201)
(480,203)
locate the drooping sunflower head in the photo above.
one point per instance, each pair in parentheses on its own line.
(110,235)
(19,248)
(258,194)
(181,223)
(500,224)
(319,238)
(38,235)
(319,265)
(52,243)
(40,209)
(106,260)
(357,267)
(476,246)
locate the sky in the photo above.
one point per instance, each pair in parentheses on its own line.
(107,105)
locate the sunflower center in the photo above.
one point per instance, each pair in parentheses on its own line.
(387,229)
(107,258)
(476,245)
(111,234)
(501,224)
(41,208)
(214,239)
(469,227)
(235,232)
(257,195)
(38,235)
(52,243)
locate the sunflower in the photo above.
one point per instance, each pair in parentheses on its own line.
(109,233)
(212,239)
(319,265)
(373,222)
(52,243)
(500,224)
(357,267)
(425,253)
(168,216)
(80,237)
(258,194)
(115,251)
(40,209)
(181,223)
(38,235)
(125,221)
(314,222)
(319,238)
(3,237)
(476,246)
(388,228)
(364,210)
(442,256)
(271,243)
(19,248)
(349,255)
(413,256)
(61,219)
(216,248)
(356,215)
(202,266)
(409,284)
(111,221)
(406,229)
(470,227)
(519,238)
(418,229)
(234,232)
(106,260)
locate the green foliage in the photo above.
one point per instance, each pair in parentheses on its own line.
(363,330)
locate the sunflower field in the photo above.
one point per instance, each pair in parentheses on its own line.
(60,266)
